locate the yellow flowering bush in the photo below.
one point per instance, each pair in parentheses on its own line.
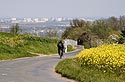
(108,55)
(13,41)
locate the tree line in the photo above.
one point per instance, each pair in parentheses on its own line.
(94,33)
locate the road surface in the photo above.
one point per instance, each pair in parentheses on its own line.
(36,69)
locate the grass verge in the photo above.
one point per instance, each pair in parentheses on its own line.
(72,68)
(17,46)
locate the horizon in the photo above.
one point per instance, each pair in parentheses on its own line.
(63,17)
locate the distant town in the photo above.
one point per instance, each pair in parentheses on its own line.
(36,20)
(32,20)
(37,26)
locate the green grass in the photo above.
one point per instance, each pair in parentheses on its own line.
(16,46)
(71,68)
(69,48)
(7,52)
(40,47)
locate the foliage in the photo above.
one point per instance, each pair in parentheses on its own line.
(76,29)
(78,23)
(69,48)
(99,29)
(15,29)
(113,39)
(72,33)
(72,68)
(121,40)
(12,41)
(39,39)
(15,46)
(122,37)
(105,57)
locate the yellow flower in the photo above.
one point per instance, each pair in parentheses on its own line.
(112,55)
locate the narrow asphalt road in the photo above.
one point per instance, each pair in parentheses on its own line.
(36,69)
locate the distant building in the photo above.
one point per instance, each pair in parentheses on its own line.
(28,20)
(43,19)
(59,19)
(13,19)
(36,20)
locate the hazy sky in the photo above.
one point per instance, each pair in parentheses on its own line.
(61,8)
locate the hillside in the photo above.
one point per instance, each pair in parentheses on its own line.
(16,46)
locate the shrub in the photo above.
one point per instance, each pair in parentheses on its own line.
(110,57)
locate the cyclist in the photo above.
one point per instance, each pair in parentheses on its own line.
(60,46)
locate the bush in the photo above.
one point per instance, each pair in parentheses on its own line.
(69,48)
(110,57)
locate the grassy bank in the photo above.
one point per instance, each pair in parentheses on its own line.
(101,64)
(72,69)
(16,46)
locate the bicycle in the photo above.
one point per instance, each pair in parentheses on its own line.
(61,53)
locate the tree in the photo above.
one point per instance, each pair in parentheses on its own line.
(113,23)
(77,27)
(94,33)
(122,22)
(101,29)
(15,29)
(75,23)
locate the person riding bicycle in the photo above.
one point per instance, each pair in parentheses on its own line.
(60,46)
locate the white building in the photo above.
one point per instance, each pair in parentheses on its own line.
(29,20)
(59,19)
(37,20)
(13,19)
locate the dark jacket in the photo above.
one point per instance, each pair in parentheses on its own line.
(60,45)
